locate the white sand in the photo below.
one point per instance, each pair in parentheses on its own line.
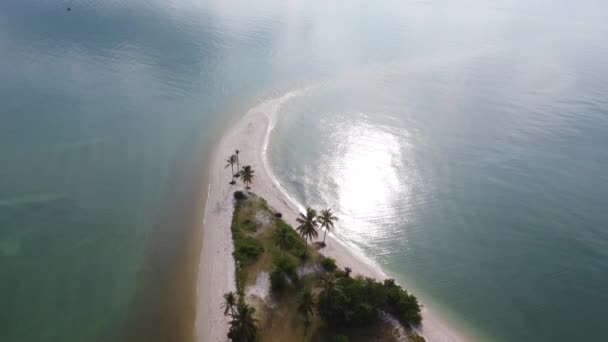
(216,272)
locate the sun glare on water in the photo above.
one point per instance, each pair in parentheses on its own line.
(366,175)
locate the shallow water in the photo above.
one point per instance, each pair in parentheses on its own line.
(462,145)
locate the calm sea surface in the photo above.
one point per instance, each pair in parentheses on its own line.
(463,144)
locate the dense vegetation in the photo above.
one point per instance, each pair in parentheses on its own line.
(313,299)
(355,302)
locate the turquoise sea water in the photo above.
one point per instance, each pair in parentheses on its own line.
(462,144)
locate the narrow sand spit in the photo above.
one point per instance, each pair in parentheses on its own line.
(216,271)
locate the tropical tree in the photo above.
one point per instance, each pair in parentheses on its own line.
(243,326)
(308,225)
(230,303)
(326,220)
(247,176)
(282,239)
(306,305)
(329,285)
(230,162)
(238,167)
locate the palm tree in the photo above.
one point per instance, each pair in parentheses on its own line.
(306,305)
(327,219)
(308,225)
(231,160)
(229,304)
(329,284)
(282,239)
(247,175)
(243,325)
(237,159)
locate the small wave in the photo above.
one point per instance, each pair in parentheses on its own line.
(80,144)
(31,199)
(271,109)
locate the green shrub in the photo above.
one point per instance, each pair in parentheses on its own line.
(284,268)
(339,338)
(328,264)
(246,249)
(288,267)
(278,282)
(295,238)
(364,312)
(302,255)
(401,304)
(363,298)
(239,195)
(283,239)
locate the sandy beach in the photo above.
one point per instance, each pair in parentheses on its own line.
(216,271)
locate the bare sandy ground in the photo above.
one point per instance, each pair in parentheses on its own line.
(216,271)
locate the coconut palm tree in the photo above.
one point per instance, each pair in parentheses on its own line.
(329,284)
(247,176)
(238,167)
(306,305)
(231,161)
(229,304)
(308,225)
(243,326)
(327,219)
(282,239)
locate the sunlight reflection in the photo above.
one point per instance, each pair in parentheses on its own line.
(367,175)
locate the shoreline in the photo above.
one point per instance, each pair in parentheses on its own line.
(251,135)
